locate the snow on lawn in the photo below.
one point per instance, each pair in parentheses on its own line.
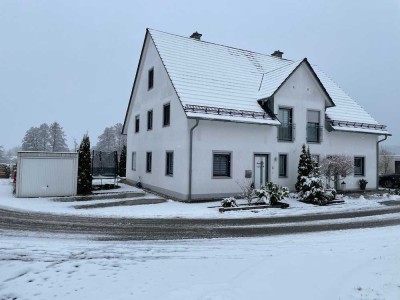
(356,264)
(174,209)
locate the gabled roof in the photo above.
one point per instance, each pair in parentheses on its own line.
(208,76)
(272,81)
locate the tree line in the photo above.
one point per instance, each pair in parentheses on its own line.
(52,138)
(45,138)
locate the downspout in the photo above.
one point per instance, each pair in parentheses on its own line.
(190,160)
(377,160)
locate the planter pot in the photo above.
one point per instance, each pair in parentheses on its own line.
(363,186)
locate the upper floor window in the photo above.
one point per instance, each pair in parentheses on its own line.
(314,130)
(222,164)
(150,120)
(150,82)
(359,166)
(137,123)
(286,129)
(166,114)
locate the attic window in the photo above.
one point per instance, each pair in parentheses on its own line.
(151,79)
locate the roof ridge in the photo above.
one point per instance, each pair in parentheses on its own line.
(221,45)
(285,66)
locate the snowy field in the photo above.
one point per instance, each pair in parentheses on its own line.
(357,264)
(174,209)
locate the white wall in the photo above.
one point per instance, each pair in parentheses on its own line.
(160,139)
(300,92)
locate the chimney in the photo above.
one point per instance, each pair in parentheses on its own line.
(277,53)
(196,36)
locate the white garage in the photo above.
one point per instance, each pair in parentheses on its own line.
(46,174)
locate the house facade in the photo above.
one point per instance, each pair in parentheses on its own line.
(204,119)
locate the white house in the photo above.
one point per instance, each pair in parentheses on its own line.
(389,164)
(204,118)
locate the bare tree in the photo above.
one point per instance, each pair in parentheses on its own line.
(335,167)
(111,139)
(385,161)
(2,156)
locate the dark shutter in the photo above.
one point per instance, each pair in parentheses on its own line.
(148,162)
(150,120)
(166,115)
(151,79)
(222,164)
(169,163)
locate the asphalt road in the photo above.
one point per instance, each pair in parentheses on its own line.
(171,229)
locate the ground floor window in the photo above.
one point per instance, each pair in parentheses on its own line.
(134,161)
(148,162)
(282,165)
(169,163)
(359,166)
(221,164)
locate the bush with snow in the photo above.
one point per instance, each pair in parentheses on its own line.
(310,186)
(248,190)
(228,202)
(272,192)
(336,167)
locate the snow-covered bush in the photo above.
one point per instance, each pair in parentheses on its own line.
(248,190)
(228,202)
(272,192)
(309,186)
(335,167)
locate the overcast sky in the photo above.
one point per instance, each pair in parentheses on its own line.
(74,61)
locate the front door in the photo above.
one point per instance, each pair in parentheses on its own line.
(397,167)
(260,170)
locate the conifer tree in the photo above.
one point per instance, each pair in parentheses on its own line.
(57,138)
(85,167)
(31,141)
(306,166)
(122,163)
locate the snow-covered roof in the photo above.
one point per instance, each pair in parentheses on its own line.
(210,75)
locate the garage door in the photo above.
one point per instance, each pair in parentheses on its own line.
(44,177)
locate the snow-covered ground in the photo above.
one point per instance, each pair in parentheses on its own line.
(356,264)
(174,209)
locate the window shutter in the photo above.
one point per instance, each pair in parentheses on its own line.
(222,165)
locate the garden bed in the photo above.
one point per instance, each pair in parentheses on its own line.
(251,207)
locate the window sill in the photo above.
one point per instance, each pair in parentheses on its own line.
(222,177)
(166,125)
(286,141)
